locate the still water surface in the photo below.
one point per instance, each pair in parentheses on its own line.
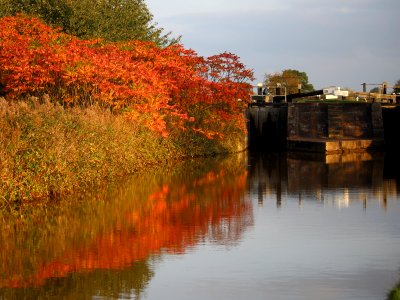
(273,226)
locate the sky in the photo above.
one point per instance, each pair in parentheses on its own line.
(336,42)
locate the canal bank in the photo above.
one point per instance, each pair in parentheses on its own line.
(48,151)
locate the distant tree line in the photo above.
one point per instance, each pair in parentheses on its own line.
(111,20)
(293,80)
(396,88)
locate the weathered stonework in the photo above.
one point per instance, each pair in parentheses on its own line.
(318,127)
(334,127)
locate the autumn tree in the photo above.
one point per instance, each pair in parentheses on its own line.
(226,67)
(111,20)
(230,74)
(291,79)
(162,87)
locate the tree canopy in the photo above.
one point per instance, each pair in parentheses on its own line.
(290,79)
(396,88)
(375,90)
(111,20)
(157,85)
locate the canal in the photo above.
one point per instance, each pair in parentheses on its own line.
(247,226)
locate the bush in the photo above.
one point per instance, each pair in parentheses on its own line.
(79,111)
(49,151)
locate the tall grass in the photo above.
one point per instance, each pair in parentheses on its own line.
(47,151)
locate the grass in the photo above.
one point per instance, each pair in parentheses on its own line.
(47,151)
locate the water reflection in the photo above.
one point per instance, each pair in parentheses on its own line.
(104,244)
(338,223)
(336,179)
(191,231)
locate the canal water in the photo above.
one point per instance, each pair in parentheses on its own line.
(247,226)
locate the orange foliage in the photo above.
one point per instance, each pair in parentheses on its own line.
(136,77)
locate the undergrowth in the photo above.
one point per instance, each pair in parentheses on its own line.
(48,151)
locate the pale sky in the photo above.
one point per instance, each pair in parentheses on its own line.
(336,42)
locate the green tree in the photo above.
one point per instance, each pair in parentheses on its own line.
(394,294)
(396,88)
(111,20)
(375,90)
(291,79)
(53,12)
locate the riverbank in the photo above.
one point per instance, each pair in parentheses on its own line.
(49,151)
(77,113)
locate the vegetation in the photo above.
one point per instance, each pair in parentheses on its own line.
(111,20)
(136,78)
(78,111)
(396,88)
(394,294)
(47,150)
(376,89)
(291,79)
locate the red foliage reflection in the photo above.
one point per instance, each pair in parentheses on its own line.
(172,219)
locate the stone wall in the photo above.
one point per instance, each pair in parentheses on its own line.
(316,127)
(334,121)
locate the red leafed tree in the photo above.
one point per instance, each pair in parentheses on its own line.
(226,67)
(229,75)
(161,87)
